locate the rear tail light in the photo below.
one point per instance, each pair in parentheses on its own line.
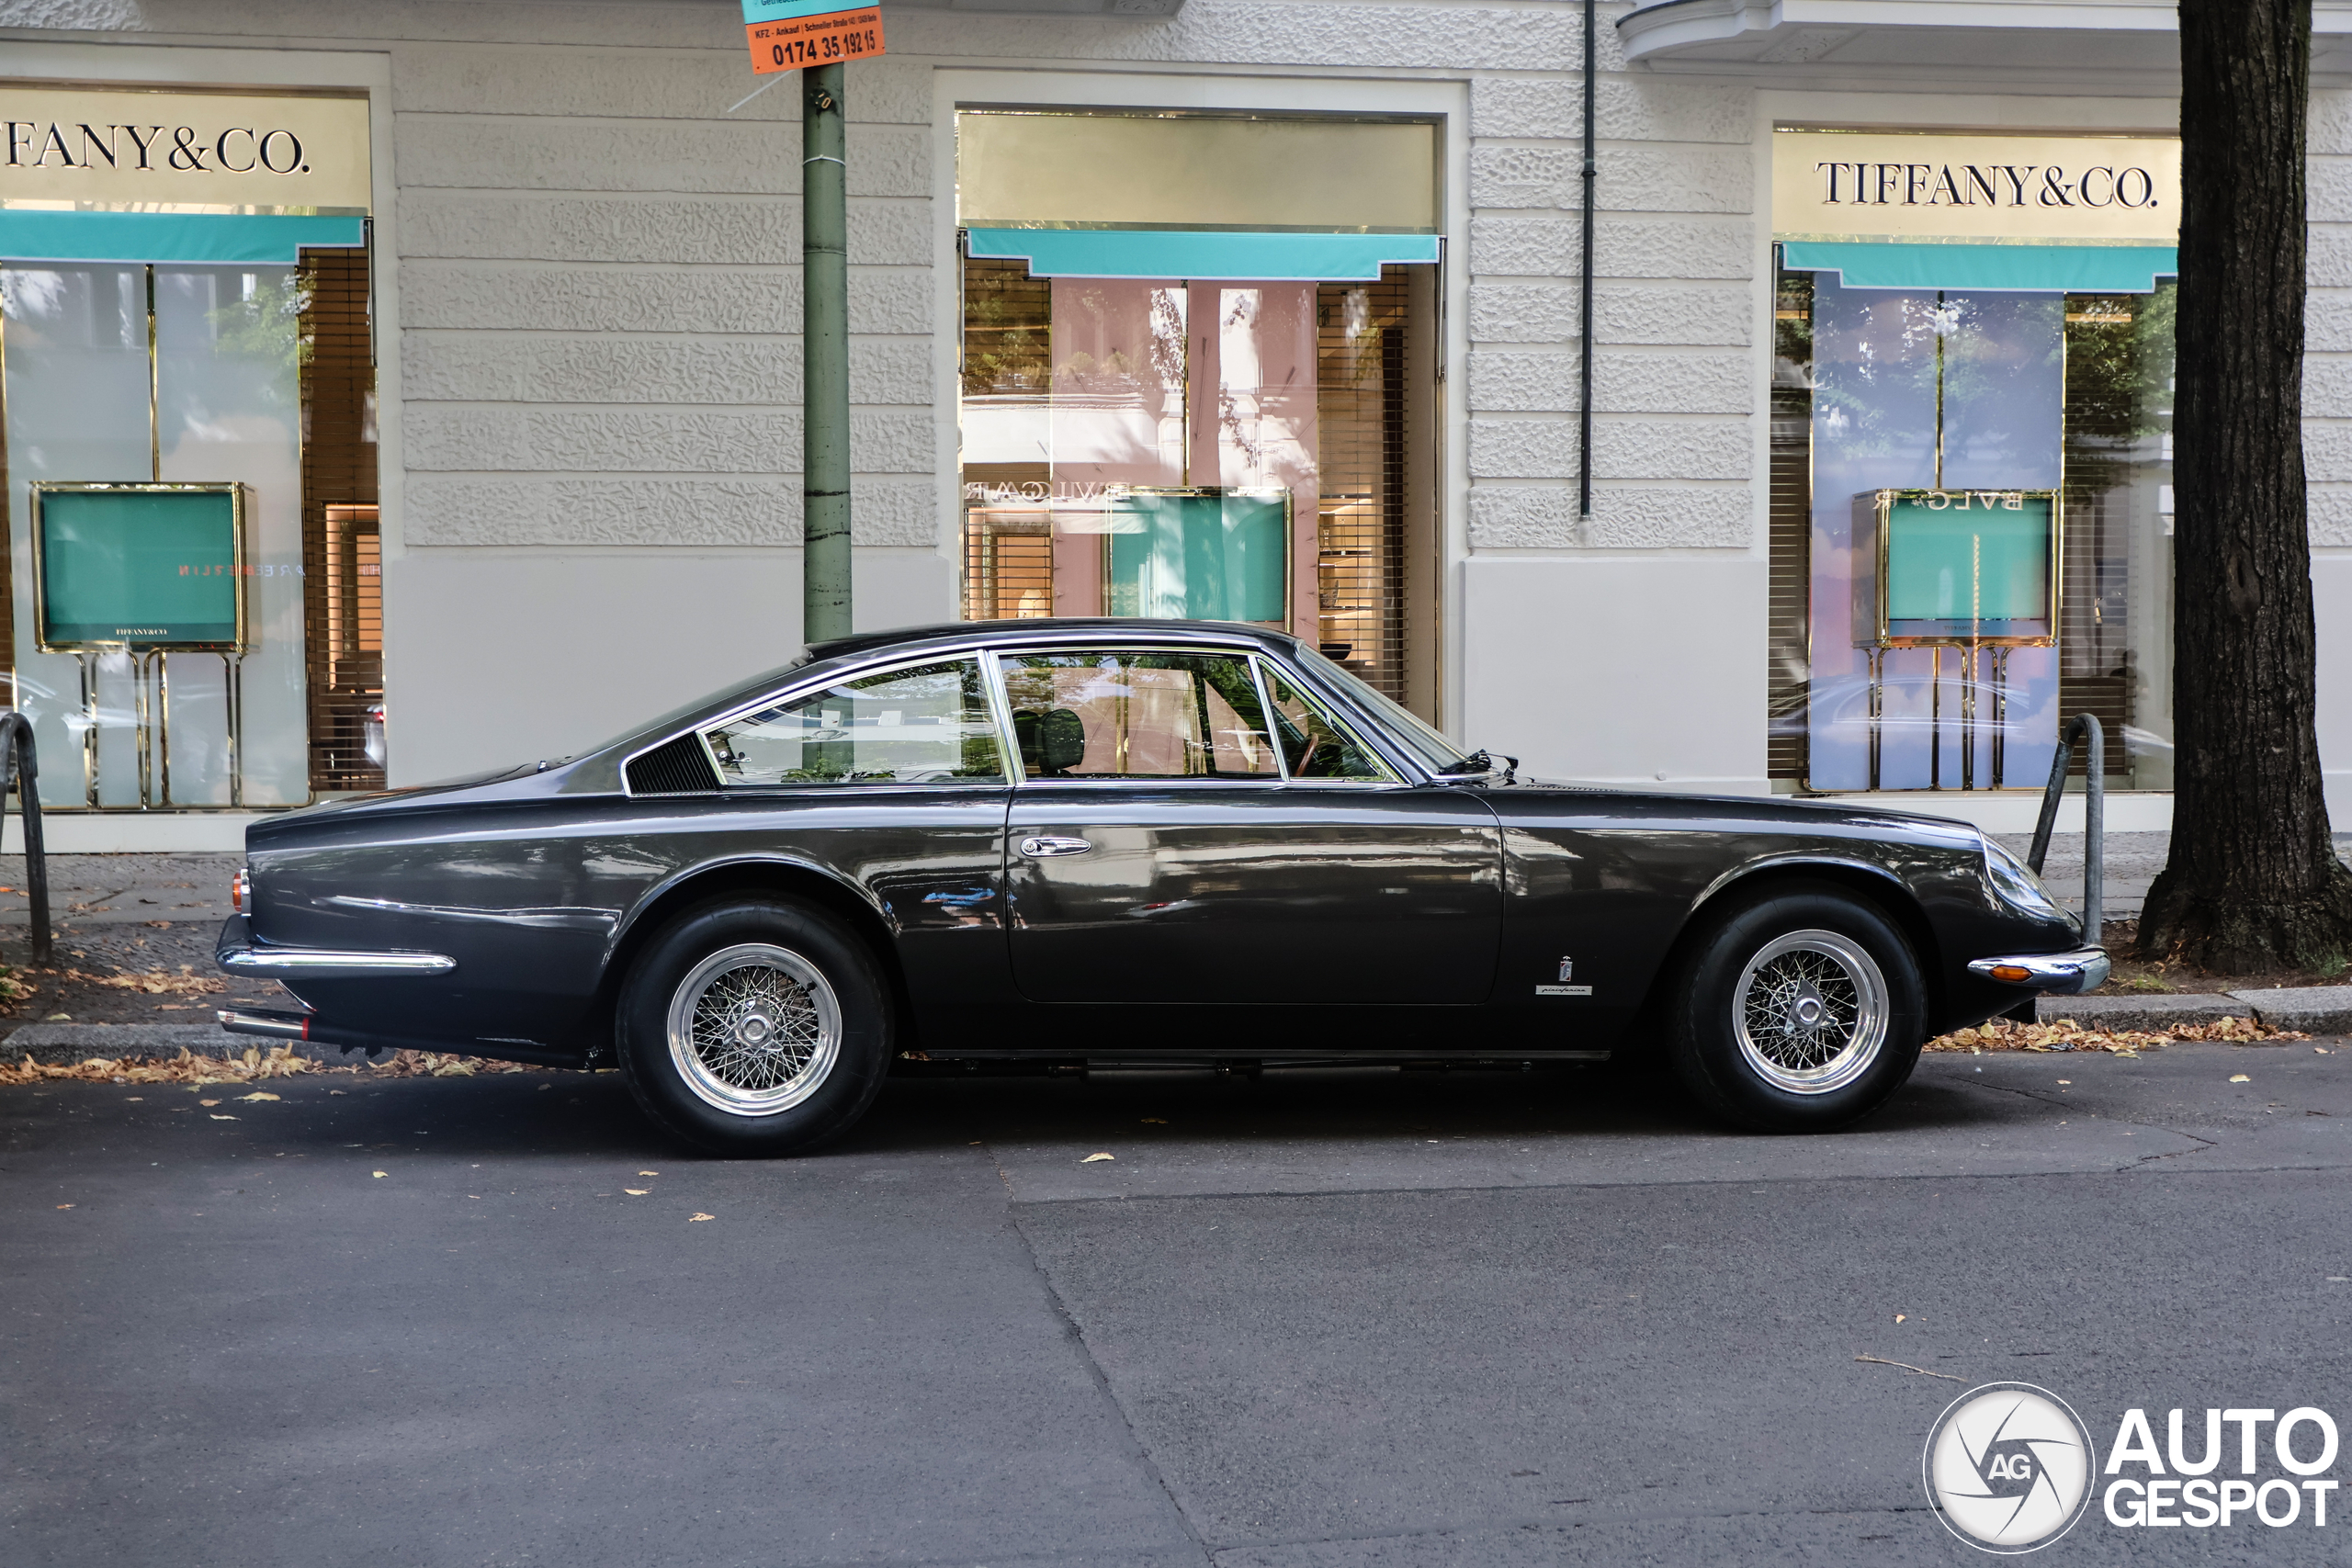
(241,891)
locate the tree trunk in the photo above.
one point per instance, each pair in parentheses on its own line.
(2252,882)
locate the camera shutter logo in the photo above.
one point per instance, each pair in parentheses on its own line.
(2008,1467)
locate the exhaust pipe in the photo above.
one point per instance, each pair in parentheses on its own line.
(274,1025)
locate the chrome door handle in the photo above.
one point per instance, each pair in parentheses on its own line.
(1044,846)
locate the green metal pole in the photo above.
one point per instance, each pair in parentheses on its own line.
(824,280)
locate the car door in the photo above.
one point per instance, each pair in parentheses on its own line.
(1165,848)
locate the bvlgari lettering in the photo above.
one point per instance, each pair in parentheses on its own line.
(1965,500)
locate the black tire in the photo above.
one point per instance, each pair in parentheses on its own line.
(777,1080)
(1790,1070)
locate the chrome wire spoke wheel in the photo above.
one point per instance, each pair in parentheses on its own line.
(754,1029)
(1811,1011)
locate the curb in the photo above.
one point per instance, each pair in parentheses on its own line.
(62,1045)
(2315,1009)
(2150,1014)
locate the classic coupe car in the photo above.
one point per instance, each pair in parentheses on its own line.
(1118,842)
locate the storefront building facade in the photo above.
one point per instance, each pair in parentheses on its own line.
(456,362)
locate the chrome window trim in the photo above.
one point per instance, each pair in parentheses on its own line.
(1354,731)
(790,692)
(1000,704)
(1081,645)
(1001,645)
(1266,706)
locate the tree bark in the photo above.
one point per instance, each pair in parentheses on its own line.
(2252,882)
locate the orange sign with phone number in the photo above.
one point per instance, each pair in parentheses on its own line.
(803,41)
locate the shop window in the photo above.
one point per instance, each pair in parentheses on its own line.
(1970,533)
(342,557)
(253,381)
(1247,451)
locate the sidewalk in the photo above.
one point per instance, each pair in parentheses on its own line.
(2132,860)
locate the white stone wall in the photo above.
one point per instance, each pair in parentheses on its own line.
(2327,368)
(1674,379)
(2327,431)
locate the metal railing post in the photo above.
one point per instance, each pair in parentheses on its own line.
(21,767)
(2086,726)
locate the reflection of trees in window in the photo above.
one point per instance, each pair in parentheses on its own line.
(1791,525)
(1872,398)
(2119,413)
(1008,319)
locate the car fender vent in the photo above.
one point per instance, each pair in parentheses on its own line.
(674,767)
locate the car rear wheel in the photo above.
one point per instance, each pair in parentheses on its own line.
(754,1027)
(1798,1010)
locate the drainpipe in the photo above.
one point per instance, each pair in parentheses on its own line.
(1591,171)
(824,343)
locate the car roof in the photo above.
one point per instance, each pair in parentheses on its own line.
(988,633)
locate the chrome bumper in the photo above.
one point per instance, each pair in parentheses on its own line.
(2060,973)
(327,964)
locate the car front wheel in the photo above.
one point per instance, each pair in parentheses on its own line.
(754,1027)
(1799,1011)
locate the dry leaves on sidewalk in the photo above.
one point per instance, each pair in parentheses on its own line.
(2066,1035)
(278,1062)
(156,982)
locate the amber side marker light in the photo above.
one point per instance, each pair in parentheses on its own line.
(241,886)
(2014,974)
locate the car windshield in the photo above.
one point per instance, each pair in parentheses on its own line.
(1431,749)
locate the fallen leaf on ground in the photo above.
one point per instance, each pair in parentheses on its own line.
(65,1205)
(208,1102)
(637,1191)
(1090,1159)
(257,1095)
(649,1173)
(1900,1316)
(2240,1077)
(1155,1121)
(692,1218)
(377,1173)
(217,1117)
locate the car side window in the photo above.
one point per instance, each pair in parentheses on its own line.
(1125,714)
(927,725)
(1313,742)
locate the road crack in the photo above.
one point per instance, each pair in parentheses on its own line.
(1076,1334)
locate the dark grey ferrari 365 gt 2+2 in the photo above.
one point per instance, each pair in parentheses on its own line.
(1119,841)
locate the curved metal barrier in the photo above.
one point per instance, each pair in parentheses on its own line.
(2084,726)
(21,768)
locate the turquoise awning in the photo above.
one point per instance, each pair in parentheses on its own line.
(221,238)
(1202,253)
(2035,269)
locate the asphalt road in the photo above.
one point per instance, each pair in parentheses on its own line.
(1317,1321)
